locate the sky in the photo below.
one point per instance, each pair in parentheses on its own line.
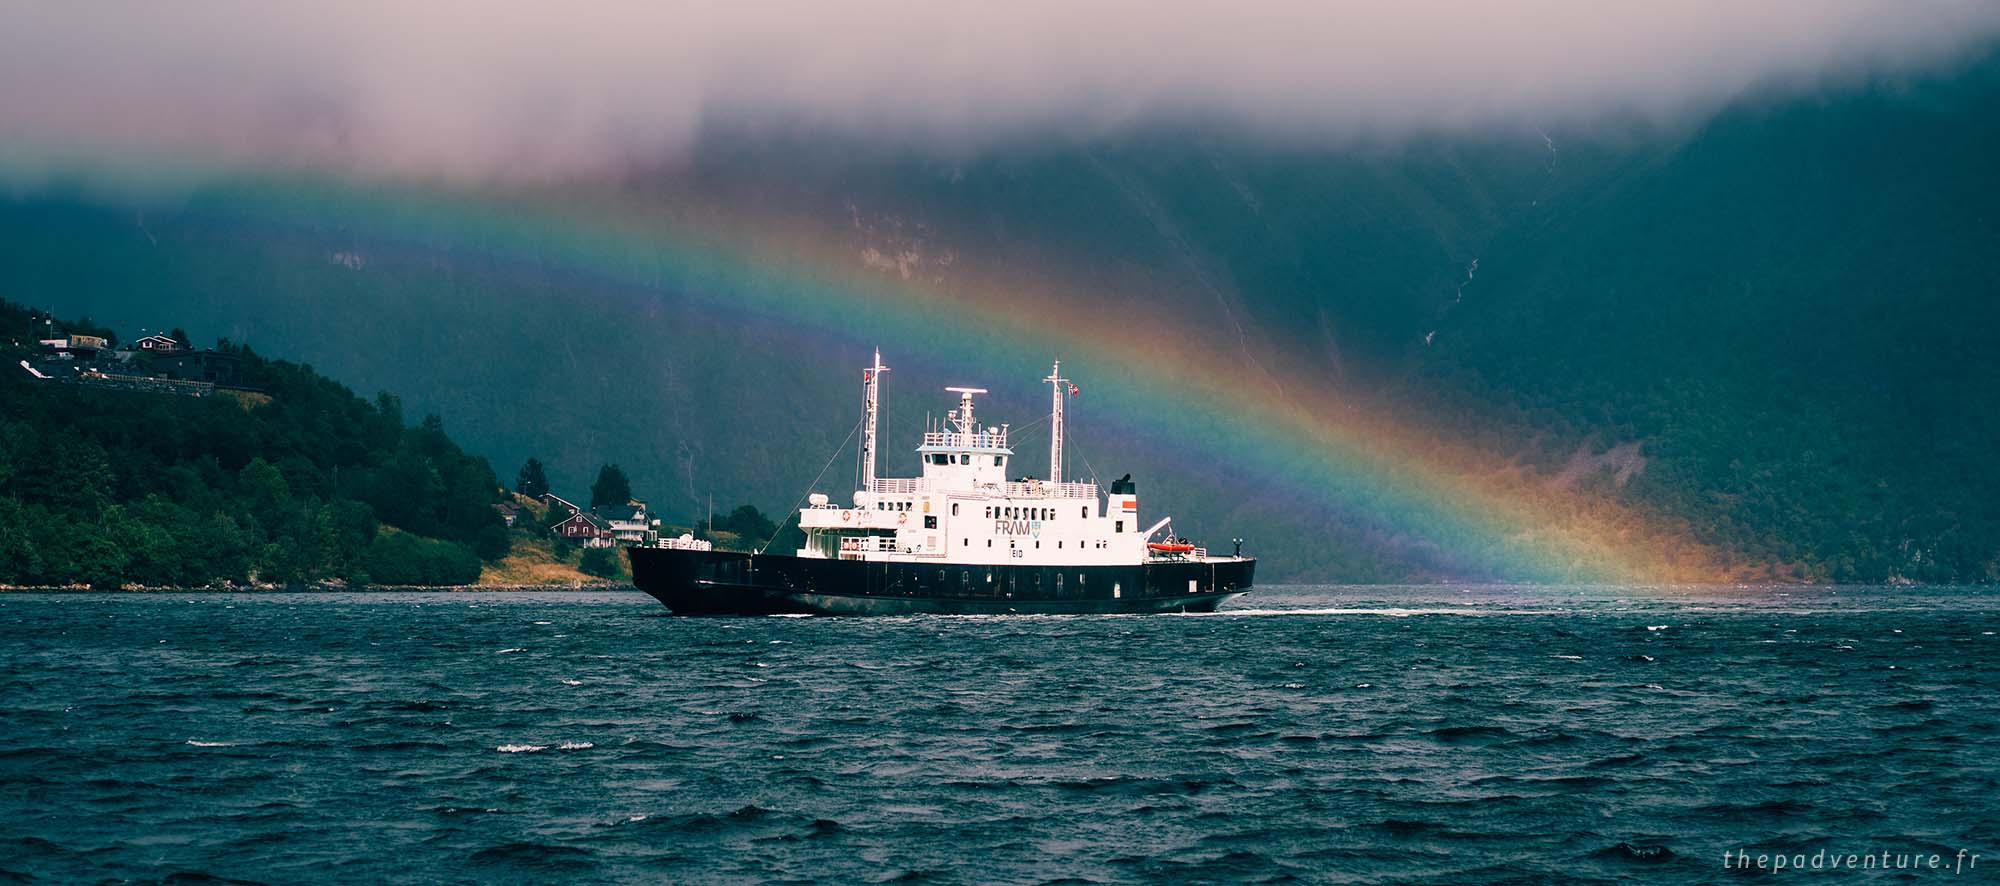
(503,89)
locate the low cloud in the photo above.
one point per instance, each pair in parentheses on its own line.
(472,90)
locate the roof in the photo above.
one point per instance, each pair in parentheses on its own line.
(629,511)
(590,518)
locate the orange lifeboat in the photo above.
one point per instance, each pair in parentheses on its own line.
(1170,547)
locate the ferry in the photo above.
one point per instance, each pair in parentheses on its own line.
(961,539)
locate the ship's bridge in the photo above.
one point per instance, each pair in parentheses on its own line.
(961,454)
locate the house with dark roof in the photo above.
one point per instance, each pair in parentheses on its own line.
(158,344)
(588,530)
(630,523)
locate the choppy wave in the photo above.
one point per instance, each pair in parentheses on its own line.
(1363,735)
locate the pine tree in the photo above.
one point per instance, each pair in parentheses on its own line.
(611,488)
(532,482)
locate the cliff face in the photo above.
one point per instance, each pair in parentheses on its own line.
(1771,330)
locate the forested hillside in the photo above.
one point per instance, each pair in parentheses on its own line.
(295,479)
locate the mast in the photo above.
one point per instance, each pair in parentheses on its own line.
(961,418)
(1056,422)
(871,385)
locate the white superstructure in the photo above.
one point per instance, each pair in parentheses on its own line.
(964,510)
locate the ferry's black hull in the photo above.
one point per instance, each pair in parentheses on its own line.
(730,583)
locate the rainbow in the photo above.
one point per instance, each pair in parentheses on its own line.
(1159,377)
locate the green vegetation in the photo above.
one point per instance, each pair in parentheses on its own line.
(612,487)
(533,480)
(110,487)
(601,562)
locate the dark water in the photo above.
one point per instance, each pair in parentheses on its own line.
(1312,734)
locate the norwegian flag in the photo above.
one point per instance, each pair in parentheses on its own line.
(1074,390)
(867,374)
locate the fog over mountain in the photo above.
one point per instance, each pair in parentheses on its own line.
(511,89)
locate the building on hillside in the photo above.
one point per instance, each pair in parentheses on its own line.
(555,501)
(631,524)
(158,344)
(587,530)
(214,367)
(75,347)
(509,512)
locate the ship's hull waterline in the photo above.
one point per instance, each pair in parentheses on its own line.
(691,582)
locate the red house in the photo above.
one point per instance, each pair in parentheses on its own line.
(587,530)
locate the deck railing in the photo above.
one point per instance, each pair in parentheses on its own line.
(1024,489)
(975,440)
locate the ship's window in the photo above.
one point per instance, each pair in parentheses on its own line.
(989,542)
(965,542)
(965,459)
(930,521)
(1038,544)
(1118,526)
(1058,544)
(954,509)
(996,461)
(1084,512)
